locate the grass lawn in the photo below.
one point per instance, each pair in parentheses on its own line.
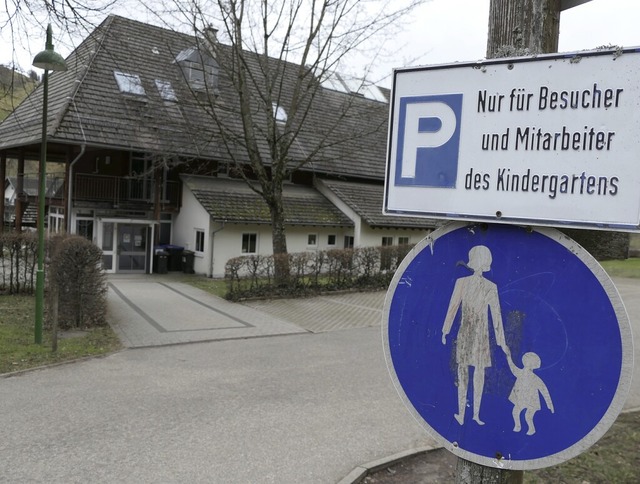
(613,459)
(18,350)
(217,287)
(622,268)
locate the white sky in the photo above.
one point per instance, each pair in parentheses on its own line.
(456,30)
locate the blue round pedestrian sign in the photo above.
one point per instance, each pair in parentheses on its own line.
(510,345)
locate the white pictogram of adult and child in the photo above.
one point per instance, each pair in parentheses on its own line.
(477,296)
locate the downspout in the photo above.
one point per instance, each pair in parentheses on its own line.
(75,160)
(70,191)
(211,254)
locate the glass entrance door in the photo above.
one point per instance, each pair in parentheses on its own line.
(132,248)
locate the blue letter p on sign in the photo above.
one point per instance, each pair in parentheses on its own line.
(428,140)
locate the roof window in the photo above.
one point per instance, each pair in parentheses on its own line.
(129,83)
(279,113)
(166,90)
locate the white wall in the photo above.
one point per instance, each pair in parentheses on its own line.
(227,243)
(192,216)
(298,237)
(373,237)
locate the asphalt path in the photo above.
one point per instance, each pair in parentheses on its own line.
(303,408)
(279,405)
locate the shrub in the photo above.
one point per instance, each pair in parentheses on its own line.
(313,272)
(77,278)
(18,258)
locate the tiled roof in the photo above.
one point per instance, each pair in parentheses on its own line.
(232,201)
(366,199)
(86,106)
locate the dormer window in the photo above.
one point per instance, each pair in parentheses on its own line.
(129,83)
(200,70)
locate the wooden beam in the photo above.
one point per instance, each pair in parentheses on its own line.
(567,4)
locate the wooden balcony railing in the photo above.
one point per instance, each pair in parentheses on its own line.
(117,190)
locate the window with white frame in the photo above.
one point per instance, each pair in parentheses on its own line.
(55,222)
(312,240)
(199,245)
(331,239)
(403,240)
(129,83)
(249,243)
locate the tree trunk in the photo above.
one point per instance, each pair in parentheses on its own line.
(533,25)
(279,239)
(515,28)
(470,473)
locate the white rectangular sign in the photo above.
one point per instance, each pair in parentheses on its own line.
(547,140)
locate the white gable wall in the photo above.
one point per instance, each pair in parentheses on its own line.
(344,208)
(192,216)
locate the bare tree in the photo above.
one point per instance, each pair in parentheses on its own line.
(276,57)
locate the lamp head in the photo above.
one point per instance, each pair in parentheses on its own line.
(49,59)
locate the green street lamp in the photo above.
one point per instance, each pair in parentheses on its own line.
(49,60)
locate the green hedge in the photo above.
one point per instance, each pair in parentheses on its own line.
(18,262)
(73,274)
(366,268)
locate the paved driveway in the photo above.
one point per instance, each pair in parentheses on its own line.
(157,311)
(160,310)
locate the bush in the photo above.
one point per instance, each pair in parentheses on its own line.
(78,281)
(366,268)
(18,258)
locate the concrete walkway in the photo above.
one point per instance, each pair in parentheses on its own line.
(159,310)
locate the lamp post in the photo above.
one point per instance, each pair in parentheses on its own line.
(48,60)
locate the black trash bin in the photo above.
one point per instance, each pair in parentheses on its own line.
(187,261)
(160,262)
(174,252)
